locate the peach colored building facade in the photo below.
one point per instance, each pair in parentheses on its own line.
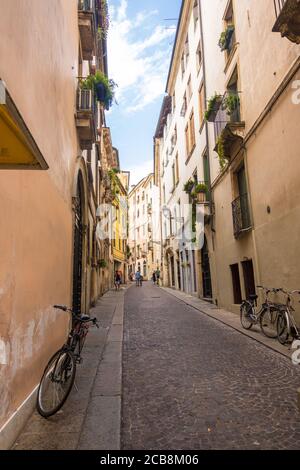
(49,252)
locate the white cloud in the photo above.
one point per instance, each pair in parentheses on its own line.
(138,66)
(138,172)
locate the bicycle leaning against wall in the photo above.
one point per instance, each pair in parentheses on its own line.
(266,316)
(59,375)
(287,328)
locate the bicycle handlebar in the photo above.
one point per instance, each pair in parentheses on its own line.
(64,308)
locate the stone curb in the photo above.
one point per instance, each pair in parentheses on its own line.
(232,320)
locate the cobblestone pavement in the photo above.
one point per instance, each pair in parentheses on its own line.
(191,382)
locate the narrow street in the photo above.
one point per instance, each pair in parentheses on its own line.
(190,382)
(184,381)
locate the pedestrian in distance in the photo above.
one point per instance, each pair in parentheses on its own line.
(157,273)
(138,278)
(154,277)
(117,280)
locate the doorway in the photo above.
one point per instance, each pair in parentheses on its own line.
(206,276)
(78,245)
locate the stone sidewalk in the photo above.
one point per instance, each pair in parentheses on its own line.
(91,417)
(229,319)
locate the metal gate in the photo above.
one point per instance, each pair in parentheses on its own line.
(78,246)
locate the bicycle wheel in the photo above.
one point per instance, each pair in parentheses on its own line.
(268,323)
(282,328)
(56,383)
(245,317)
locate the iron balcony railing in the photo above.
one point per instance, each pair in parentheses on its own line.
(278,5)
(241,215)
(85,5)
(86,102)
(229,111)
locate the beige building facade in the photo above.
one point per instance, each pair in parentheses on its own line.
(246,146)
(254,237)
(49,252)
(144,240)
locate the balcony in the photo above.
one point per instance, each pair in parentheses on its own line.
(287,19)
(229,128)
(87,28)
(86,118)
(241,216)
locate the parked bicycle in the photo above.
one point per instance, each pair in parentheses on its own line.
(266,316)
(287,329)
(59,375)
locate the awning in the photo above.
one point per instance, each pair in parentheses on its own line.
(18,149)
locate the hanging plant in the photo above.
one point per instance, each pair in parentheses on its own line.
(221,152)
(188,186)
(213,107)
(225,38)
(103,88)
(102,263)
(104,18)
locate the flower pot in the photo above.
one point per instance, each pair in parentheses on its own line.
(100,92)
(201,197)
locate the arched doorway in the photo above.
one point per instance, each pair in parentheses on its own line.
(78,244)
(206,276)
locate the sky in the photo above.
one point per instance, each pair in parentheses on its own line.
(140,43)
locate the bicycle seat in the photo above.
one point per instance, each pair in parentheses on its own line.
(84,317)
(253,297)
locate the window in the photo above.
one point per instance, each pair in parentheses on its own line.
(230,29)
(190,141)
(176,170)
(201,105)
(192,132)
(184,106)
(187,49)
(173,102)
(199,56)
(187,140)
(173,176)
(182,65)
(196,12)
(174,139)
(189,89)
(236,284)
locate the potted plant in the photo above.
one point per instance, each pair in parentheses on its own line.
(200,192)
(103,87)
(225,38)
(213,107)
(188,186)
(231,103)
(102,263)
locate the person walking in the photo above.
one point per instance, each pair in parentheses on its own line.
(138,278)
(157,273)
(154,277)
(117,280)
